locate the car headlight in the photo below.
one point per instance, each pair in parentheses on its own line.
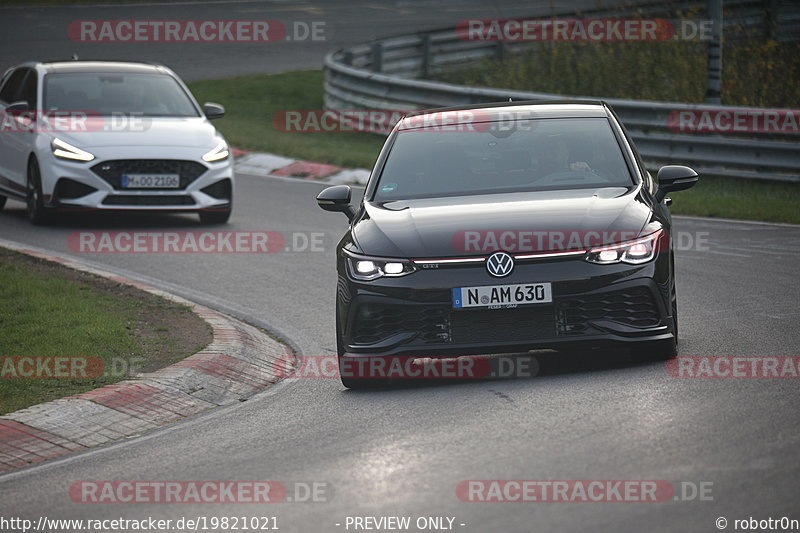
(632,252)
(218,153)
(369,268)
(67,151)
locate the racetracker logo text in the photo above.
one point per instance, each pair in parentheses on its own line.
(195,31)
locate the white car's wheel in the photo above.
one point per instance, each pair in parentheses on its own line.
(37,212)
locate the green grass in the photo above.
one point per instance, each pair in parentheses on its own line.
(45,312)
(741,199)
(252,101)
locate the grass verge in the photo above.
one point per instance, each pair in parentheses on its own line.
(252,101)
(48,310)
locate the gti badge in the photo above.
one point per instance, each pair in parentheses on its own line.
(500,264)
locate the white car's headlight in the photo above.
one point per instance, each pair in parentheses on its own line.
(367,269)
(634,252)
(67,151)
(218,153)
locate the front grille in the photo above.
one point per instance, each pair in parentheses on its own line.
(148,200)
(112,171)
(503,325)
(374,322)
(632,307)
(442,325)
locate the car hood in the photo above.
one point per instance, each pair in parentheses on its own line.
(102,132)
(473,225)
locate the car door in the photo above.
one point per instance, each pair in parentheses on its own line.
(17,134)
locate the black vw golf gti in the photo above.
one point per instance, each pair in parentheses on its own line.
(504,228)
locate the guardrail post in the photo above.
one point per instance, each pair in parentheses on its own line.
(425,68)
(377,57)
(714,80)
(773,15)
(501,50)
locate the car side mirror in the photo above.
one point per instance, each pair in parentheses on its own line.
(212,110)
(18,107)
(673,178)
(337,199)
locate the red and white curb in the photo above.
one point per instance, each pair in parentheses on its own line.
(263,164)
(240,361)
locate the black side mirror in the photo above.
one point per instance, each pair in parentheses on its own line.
(18,107)
(673,178)
(212,110)
(337,199)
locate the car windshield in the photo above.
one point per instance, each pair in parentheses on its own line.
(106,94)
(531,155)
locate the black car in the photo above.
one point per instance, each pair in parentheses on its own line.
(503,228)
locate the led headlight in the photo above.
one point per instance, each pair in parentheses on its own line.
(67,151)
(366,269)
(218,153)
(632,252)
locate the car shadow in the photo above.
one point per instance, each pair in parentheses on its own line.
(99,220)
(540,364)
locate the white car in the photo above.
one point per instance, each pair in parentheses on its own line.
(99,135)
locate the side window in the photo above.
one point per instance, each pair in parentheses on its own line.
(28,90)
(11,89)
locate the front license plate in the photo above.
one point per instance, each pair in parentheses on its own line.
(151,181)
(502,296)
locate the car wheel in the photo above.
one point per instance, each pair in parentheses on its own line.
(37,212)
(215,217)
(2,202)
(660,350)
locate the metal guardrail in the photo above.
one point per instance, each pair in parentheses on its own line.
(383,75)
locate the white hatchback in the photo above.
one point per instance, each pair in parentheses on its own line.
(99,135)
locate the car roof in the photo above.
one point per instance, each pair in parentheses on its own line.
(528,109)
(102,66)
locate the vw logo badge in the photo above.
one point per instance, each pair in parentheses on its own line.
(500,264)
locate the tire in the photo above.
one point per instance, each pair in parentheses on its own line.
(660,350)
(37,213)
(2,202)
(215,217)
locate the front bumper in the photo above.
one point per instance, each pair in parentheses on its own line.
(593,305)
(69,185)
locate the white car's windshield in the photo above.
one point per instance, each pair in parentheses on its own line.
(106,94)
(533,155)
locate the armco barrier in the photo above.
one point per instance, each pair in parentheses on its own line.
(384,74)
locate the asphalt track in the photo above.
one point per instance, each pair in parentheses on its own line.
(402,452)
